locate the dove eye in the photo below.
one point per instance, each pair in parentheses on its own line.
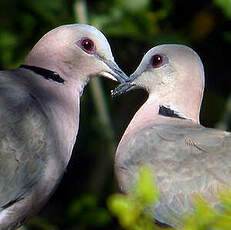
(158,60)
(87,45)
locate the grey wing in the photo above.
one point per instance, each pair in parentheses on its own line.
(186,160)
(25,140)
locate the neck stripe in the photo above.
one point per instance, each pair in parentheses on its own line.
(167,112)
(45,73)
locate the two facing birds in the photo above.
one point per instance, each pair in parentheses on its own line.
(39,113)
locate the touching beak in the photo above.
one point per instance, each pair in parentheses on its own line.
(124,87)
(114,73)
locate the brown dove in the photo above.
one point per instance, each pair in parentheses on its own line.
(165,133)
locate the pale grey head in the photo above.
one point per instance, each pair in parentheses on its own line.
(75,51)
(174,75)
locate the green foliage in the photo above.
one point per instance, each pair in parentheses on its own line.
(202,217)
(130,209)
(40,223)
(227,36)
(206,217)
(145,189)
(85,211)
(24,22)
(134,6)
(47,10)
(126,18)
(8,42)
(225,6)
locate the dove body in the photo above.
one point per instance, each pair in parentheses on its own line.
(165,133)
(39,115)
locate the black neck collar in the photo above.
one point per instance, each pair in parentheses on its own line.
(46,73)
(167,112)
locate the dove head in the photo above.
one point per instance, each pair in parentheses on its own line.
(173,75)
(75,52)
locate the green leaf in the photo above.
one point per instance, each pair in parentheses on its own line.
(146,189)
(225,6)
(131,209)
(133,5)
(124,208)
(88,203)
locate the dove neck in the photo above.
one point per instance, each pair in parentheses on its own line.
(46,73)
(61,104)
(156,111)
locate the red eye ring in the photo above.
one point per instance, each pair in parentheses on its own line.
(158,60)
(87,45)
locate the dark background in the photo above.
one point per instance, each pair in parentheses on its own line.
(132,28)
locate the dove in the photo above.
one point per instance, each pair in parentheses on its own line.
(186,158)
(39,115)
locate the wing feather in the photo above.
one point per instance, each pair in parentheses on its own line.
(186,159)
(25,140)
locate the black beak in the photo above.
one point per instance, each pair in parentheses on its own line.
(116,72)
(124,87)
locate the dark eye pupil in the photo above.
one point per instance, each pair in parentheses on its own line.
(157,61)
(87,44)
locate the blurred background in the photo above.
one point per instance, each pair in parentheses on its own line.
(132,28)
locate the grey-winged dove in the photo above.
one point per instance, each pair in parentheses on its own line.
(185,157)
(39,115)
